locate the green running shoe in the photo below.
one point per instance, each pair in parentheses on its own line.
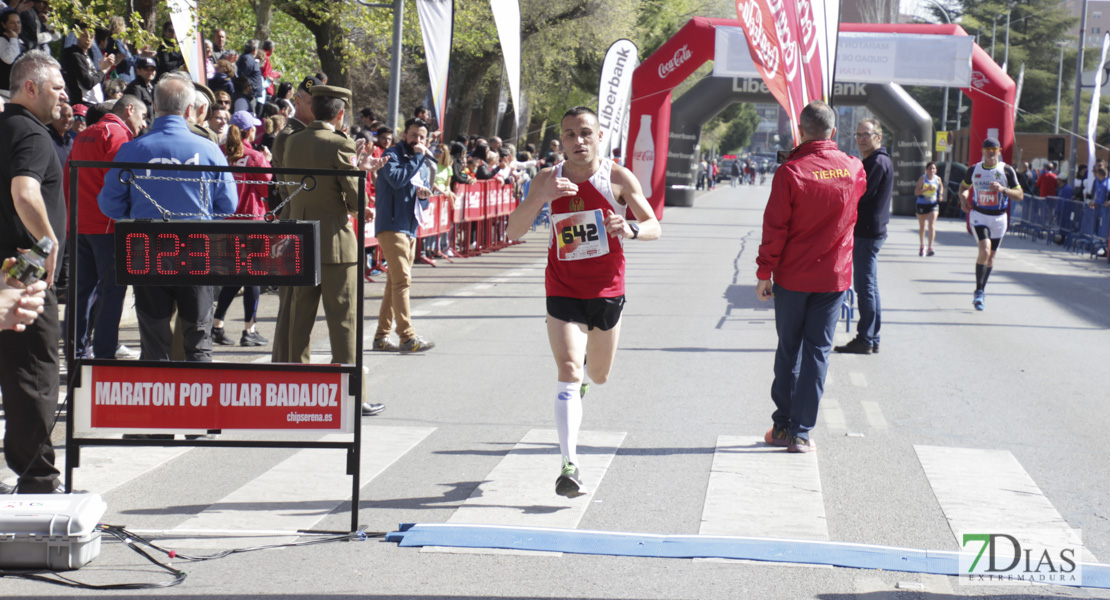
(569,482)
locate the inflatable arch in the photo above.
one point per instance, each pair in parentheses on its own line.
(909,146)
(991,93)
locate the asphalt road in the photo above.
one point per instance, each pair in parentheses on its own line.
(964,419)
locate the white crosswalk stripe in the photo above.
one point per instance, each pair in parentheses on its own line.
(758,490)
(751,490)
(988,491)
(301,490)
(833,414)
(520,490)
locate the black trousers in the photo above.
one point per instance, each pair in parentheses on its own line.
(154,306)
(29,381)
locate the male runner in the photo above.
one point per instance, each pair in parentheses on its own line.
(585,268)
(985,193)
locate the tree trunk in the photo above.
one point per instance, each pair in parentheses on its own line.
(326,30)
(263,14)
(488,123)
(148,10)
(466,80)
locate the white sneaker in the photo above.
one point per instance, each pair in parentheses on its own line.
(126,353)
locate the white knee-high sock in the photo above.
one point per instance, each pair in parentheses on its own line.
(568,418)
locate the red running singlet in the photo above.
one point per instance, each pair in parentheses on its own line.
(583,261)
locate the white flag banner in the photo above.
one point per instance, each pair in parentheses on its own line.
(826,14)
(183,15)
(437,19)
(1092,117)
(626,114)
(506,13)
(614,91)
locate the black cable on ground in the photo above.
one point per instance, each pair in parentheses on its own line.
(56,579)
(345,537)
(133,541)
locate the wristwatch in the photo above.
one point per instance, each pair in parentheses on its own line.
(635,229)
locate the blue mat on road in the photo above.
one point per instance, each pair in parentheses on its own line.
(810,552)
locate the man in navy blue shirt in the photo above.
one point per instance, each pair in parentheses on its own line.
(248,66)
(171,142)
(870,233)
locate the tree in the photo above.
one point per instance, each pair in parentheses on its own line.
(740,125)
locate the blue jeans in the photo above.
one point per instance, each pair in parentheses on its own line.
(805,322)
(865,280)
(96,293)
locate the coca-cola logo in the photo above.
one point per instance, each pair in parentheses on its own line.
(807,28)
(766,52)
(680,56)
(979,80)
(645,155)
(786,39)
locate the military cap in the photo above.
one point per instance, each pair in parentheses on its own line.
(308,83)
(203,89)
(332,91)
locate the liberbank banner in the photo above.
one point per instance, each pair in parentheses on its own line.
(931,60)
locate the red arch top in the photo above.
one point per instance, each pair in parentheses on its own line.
(992,94)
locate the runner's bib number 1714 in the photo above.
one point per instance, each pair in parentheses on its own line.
(580,235)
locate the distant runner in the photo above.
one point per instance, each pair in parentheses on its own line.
(985,194)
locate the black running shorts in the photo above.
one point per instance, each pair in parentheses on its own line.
(924,209)
(602,313)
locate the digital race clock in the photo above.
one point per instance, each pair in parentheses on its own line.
(229,252)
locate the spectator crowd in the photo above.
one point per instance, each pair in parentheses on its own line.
(94,97)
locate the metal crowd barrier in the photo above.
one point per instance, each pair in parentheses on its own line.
(481,217)
(1076,225)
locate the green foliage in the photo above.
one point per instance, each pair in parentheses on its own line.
(740,125)
(563,45)
(96,13)
(294,50)
(1044,120)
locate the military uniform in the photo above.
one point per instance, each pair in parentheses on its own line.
(205,133)
(319,146)
(280,352)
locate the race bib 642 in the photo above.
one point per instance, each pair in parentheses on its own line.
(580,235)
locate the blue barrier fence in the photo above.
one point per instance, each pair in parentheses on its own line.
(1079,227)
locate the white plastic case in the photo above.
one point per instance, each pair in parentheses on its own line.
(49,531)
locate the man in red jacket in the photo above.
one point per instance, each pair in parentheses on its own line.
(807,251)
(96,232)
(1047,182)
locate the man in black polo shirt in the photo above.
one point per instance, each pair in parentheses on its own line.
(31,207)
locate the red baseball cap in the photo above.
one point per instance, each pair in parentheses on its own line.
(80,110)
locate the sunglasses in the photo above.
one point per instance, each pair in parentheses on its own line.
(78,118)
(223,103)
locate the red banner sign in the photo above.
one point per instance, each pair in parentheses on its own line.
(771,28)
(148,399)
